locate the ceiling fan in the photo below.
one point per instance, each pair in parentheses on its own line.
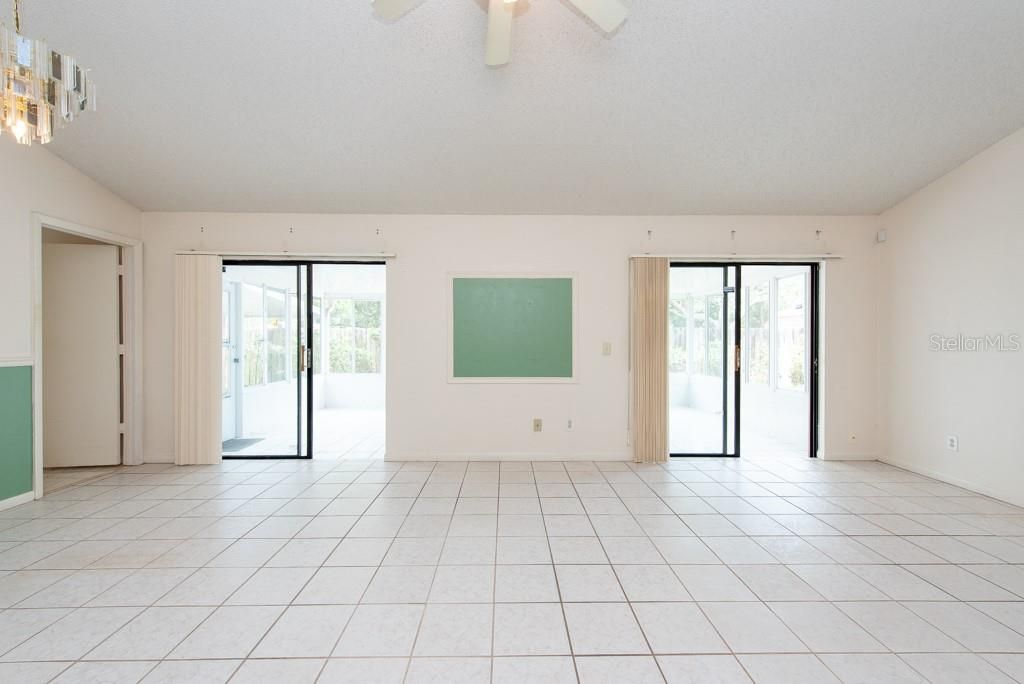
(607,14)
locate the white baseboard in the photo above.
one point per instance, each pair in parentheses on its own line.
(17,500)
(956,482)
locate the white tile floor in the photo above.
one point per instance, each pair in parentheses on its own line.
(370,571)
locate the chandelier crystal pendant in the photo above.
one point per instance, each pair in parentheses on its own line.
(41,89)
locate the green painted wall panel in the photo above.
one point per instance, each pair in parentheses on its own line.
(15,431)
(512,327)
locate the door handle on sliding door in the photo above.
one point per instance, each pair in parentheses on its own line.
(736,367)
(302,358)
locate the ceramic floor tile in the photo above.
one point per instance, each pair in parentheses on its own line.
(151,635)
(612,670)
(955,668)
(360,551)
(960,583)
(868,668)
(1011,664)
(751,628)
(76,589)
(364,671)
(293,671)
(604,629)
(724,669)
(206,587)
(775,583)
(304,632)
(380,630)
(30,673)
(400,584)
(787,669)
(970,627)
(336,585)
(588,583)
(651,583)
(548,669)
(271,586)
(678,628)
(74,635)
(529,629)
(824,628)
(898,628)
(713,583)
(102,673)
(230,632)
(455,630)
(392,572)
(454,670)
(463,584)
(17,626)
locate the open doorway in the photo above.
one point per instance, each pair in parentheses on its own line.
(303,359)
(742,358)
(86,336)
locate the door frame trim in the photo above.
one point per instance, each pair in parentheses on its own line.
(133,329)
(815,396)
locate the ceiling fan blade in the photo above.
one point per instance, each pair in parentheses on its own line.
(393,9)
(608,14)
(499,31)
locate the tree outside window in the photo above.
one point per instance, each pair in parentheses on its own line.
(354,336)
(678,316)
(758,324)
(714,328)
(792,332)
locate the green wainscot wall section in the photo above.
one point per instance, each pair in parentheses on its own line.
(15,431)
(512,327)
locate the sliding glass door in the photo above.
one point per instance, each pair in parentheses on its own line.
(703,389)
(743,342)
(267,374)
(303,352)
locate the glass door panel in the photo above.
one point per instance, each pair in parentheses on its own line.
(778,379)
(702,366)
(268,416)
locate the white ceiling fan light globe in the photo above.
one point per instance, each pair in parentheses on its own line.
(499,32)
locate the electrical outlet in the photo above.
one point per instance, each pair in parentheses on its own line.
(568,425)
(606,349)
(538,424)
(953,443)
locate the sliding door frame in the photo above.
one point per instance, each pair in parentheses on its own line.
(728,360)
(306,308)
(814,335)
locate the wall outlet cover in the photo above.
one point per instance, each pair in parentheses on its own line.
(538,424)
(953,443)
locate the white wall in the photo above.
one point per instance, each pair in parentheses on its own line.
(430,418)
(34,180)
(952,265)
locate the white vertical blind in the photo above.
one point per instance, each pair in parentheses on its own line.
(648,359)
(197,360)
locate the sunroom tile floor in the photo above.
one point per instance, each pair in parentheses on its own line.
(771,570)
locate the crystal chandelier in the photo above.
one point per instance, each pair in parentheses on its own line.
(41,89)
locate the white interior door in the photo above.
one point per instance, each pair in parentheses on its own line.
(81,378)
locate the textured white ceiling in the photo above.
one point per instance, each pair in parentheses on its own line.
(695,106)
